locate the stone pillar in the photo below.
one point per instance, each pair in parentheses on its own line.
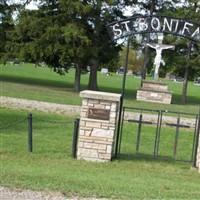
(97,125)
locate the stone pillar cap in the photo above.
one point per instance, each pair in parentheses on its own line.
(100,95)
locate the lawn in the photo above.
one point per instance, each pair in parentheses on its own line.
(145,146)
(41,83)
(51,166)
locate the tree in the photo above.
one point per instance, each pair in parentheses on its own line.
(64,32)
(134,59)
(101,12)
(52,35)
(180,58)
(150,7)
(6,24)
(194,10)
(92,16)
(187,51)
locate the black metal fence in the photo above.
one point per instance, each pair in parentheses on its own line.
(144,132)
(31,131)
(159,134)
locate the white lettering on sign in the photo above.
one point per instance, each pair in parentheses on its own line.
(170,25)
(126,26)
(196,32)
(154,24)
(185,28)
(117,30)
(143,26)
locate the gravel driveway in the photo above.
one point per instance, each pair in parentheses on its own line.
(25,104)
(19,194)
(70,110)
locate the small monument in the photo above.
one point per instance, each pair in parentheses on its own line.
(155,91)
(97,125)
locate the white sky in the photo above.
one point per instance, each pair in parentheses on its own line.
(128,11)
(31,6)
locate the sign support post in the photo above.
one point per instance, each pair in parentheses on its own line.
(122,97)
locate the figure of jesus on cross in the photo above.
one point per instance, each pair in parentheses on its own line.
(158,58)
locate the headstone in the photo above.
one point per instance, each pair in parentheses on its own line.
(104,71)
(197,81)
(97,125)
(130,72)
(168,76)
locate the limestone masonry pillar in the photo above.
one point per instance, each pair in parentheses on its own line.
(97,125)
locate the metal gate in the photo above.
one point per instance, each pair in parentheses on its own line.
(158,134)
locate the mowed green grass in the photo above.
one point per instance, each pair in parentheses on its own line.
(146,145)
(41,83)
(51,167)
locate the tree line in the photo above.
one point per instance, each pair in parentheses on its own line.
(62,32)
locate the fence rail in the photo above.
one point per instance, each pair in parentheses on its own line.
(13,124)
(30,129)
(156,130)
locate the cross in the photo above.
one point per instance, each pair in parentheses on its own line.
(158,58)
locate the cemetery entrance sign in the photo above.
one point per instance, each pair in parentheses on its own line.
(142,24)
(154,24)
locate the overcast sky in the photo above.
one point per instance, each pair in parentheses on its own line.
(31,6)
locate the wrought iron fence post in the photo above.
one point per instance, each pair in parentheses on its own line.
(75,137)
(176,136)
(30,141)
(139,133)
(196,143)
(122,99)
(158,130)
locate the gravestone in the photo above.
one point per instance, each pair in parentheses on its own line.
(104,71)
(97,125)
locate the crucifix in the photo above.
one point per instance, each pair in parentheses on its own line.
(158,58)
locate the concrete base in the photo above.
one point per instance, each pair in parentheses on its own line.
(152,91)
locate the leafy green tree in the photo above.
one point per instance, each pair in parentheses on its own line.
(64,32)
(186,54)
(101,13)
(6,24)
(134,59)
(52,35)
(186,57)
